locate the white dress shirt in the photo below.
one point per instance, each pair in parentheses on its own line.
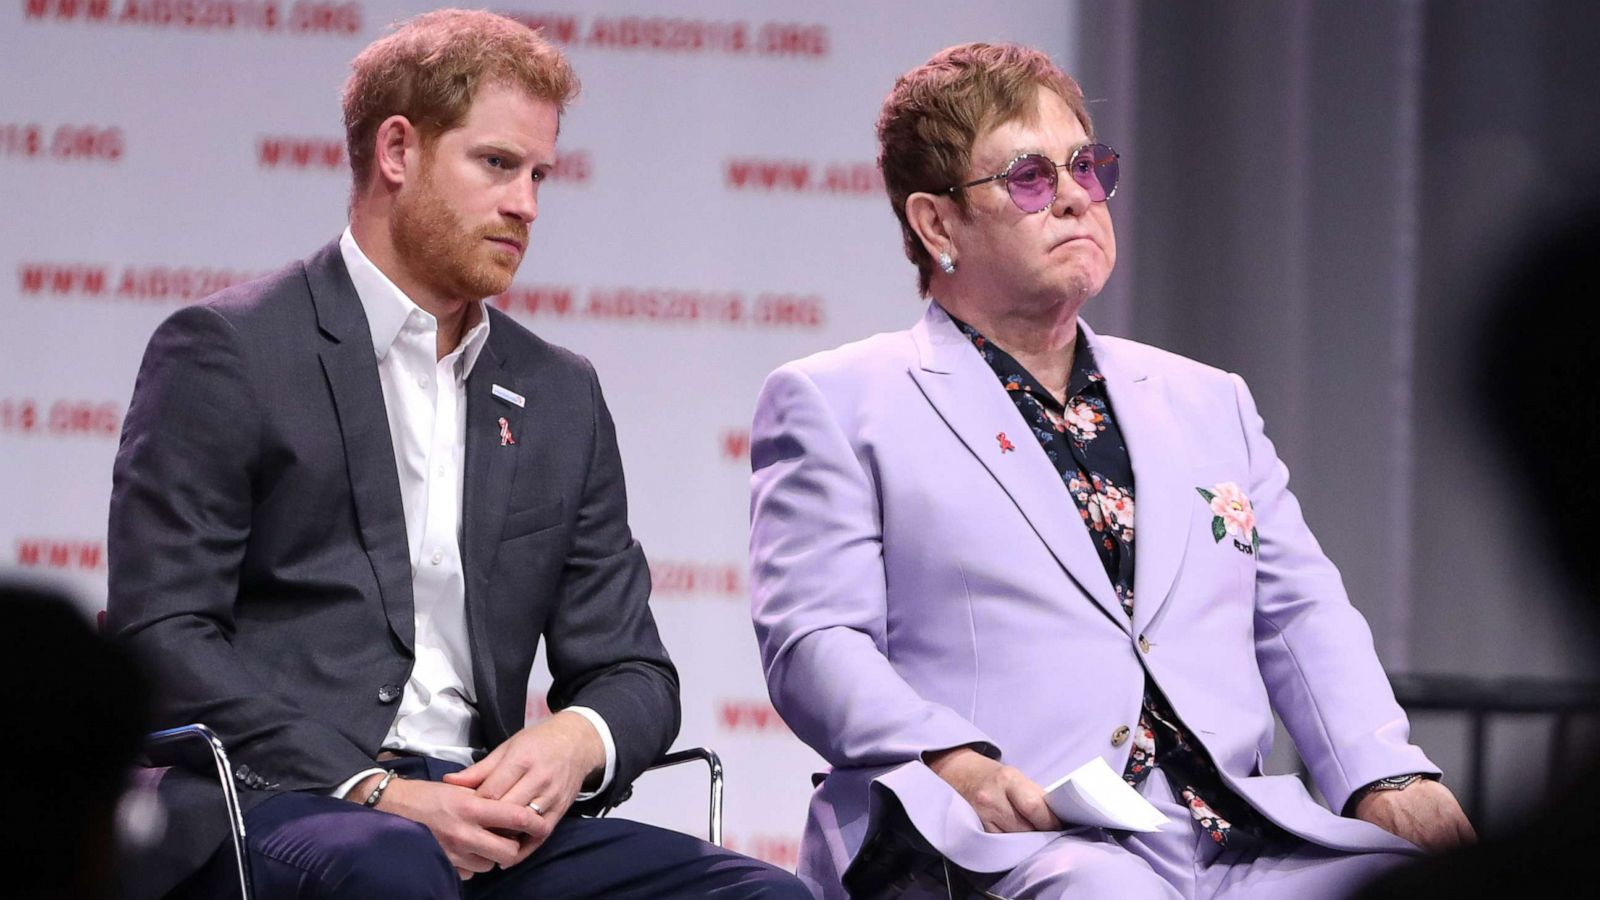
(426,401)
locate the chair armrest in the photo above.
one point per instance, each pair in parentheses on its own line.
(172,741)
(714,766)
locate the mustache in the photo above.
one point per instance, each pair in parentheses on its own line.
(502,233)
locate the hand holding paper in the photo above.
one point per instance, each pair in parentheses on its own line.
(1092,794)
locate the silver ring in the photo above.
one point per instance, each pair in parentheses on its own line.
(536,807)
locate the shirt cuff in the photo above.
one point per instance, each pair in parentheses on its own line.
(610,745)
(355,779)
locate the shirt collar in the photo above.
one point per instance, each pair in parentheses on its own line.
(1085,371)
(388,308)
(1016,378)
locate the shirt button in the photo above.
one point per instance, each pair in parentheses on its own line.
(438,557)
(1144,644)
(1120,736)
(422,381)
(440,471)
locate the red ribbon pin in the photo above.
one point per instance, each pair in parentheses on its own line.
(505,432)
(1005,443)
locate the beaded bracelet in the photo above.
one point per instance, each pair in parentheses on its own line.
(377,792)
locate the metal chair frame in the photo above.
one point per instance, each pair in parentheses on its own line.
(198,733)
(714,765)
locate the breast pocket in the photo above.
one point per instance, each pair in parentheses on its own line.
(533,519)
(1227,539)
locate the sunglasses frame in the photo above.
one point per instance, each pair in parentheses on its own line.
(1055,167)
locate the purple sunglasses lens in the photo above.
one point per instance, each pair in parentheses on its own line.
(1031,182)
(1095,167)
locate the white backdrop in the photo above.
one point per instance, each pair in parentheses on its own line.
(716,213)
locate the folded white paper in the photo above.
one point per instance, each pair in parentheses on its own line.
(1092,794)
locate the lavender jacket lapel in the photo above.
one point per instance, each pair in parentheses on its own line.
(969,399)
(1159,449)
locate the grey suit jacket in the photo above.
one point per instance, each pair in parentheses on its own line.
(258,553)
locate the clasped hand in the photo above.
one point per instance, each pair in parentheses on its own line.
(481,815)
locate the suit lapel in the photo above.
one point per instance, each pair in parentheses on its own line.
(966,394)
(491,464)
(350,365)
(495,429)
(1164,499)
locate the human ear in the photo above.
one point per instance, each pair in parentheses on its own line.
(929,216)
(395,138)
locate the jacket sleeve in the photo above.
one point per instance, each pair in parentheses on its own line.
(818,591)
(179,530)
(1314,649)
(601,641)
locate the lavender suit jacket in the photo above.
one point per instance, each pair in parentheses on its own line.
(919,587)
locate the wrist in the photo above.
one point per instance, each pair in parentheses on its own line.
(380,790)
(361,790)
(1383,785)
(954,759)
(393,798)
(590,747)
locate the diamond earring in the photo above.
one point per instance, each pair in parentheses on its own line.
(947,264)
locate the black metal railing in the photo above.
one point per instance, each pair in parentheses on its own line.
(1479,699)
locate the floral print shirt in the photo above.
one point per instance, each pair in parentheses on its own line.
(1082,440)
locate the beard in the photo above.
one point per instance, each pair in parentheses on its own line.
(443,253)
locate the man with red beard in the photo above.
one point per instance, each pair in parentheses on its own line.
(351,499)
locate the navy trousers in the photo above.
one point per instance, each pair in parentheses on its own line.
(310,847)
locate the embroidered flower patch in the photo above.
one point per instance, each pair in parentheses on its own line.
(1232,516)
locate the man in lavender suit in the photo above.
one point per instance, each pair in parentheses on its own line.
(943,546)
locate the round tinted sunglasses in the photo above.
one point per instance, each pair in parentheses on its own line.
(1031,178)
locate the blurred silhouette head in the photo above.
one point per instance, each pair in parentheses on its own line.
(1541,375)
(77,710)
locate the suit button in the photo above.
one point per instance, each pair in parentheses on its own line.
(389,693)
(1120,736)
(1144,644)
